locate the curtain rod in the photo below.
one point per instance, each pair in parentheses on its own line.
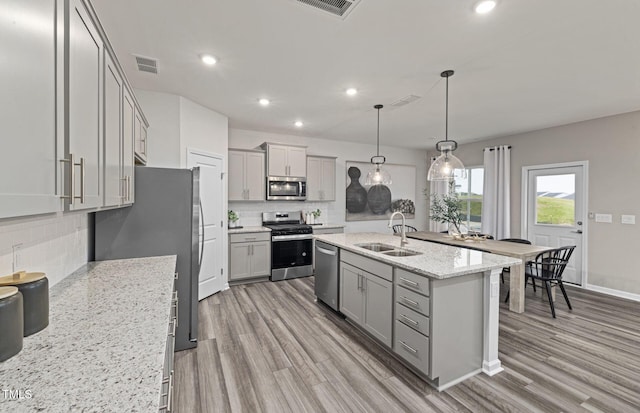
(496,147)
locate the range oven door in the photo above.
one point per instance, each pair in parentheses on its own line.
(286,189)
(291,251)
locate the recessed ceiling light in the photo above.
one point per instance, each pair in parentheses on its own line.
(298,123)
(264,101)
(351,91)
(208,59)
(485,6)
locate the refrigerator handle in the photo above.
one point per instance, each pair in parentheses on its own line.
(202,241)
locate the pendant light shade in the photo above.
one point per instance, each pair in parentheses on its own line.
(378,175)
(447,166)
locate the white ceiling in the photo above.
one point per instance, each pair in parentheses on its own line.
(525,66)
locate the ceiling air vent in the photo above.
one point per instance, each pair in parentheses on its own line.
(340,8)
(405,100)
(146,64)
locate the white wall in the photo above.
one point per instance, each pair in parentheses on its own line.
(53,244)
(162,110)
(332,212)
(203,129)
(612,147)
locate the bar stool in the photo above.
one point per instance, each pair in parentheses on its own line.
(11,322)
(34,287)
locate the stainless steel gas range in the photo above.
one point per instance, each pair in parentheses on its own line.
(291,245)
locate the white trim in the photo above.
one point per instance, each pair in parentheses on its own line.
(524,204)
(611,291)
(491,364)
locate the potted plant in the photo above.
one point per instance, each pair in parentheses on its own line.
(446,209)
(233,218)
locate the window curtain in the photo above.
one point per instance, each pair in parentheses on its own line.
(496,201)
(440,188)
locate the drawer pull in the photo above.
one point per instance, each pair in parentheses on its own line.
(410,302)
(414,322)
(408,347)
(413,283)
(173,328)
(168,407)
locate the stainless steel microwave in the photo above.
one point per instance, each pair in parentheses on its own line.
(284,188)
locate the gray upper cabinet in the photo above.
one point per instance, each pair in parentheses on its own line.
(113,183)
(286,160)
(140,137)
(246,175)
(84,102)
(321,178)
(30,172)
(79,139)
(128,115)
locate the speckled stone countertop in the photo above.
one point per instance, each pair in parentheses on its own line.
(244,230)
(104,348)
(436,261)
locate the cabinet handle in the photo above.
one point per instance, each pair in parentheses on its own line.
(72,179)
(175,305)
(408,347)
(364,283)
(414,322)
(123,188)
(410,302)
(173,328)
(128,187)
(413,283)
(176,275)
(82,180)
(167,407)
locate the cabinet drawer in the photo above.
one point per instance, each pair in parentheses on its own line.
(412,319)
(412,300)
(250,237)
(369,265)
(412,346)
(412,281)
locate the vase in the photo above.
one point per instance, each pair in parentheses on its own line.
(379,199)
(356,194)
(453,231)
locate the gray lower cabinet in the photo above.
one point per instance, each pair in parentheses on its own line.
(249,255)
(168,375)
(366,298)
(438,324)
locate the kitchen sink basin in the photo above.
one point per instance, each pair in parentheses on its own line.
(401,253)
(376,247)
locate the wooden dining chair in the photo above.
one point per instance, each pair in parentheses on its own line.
(548,267)
(407,228)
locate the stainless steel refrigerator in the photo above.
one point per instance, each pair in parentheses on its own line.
(164,220)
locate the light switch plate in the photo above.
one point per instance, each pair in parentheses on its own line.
(605,218)
(628,219)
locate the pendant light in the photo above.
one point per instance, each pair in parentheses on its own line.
(378,176)
(446,167)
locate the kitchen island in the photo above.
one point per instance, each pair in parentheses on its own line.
(105,345)
(435,307)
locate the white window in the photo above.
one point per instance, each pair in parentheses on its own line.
(469,191)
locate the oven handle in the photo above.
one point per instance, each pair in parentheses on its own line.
(291,237)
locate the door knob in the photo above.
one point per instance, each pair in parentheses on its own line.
(579,222)
(578,231)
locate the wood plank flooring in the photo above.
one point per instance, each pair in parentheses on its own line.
(268,347)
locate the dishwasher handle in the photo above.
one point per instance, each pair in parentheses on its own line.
(325,251)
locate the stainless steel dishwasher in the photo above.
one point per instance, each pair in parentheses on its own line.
(326,282)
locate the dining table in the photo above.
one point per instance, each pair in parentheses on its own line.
(524,252)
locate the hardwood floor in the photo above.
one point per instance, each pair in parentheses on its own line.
(268,347)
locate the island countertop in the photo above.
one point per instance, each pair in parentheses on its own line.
(435,260)
(104,347)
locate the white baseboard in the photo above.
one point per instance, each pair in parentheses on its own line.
(611,291)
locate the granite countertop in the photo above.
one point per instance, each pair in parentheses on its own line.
(437,260)
(105,344)
(244,230)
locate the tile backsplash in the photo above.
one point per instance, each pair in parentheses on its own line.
(251,212)
(53,244)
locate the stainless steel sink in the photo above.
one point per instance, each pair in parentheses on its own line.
(376,247)
(401,253)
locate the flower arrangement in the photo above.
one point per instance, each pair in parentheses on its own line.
(406,206)
(316,213)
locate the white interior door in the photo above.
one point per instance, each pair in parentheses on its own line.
(212,240)
(555,211)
